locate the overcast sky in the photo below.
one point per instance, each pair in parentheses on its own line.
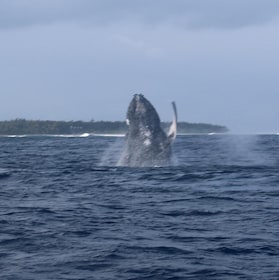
(84,59)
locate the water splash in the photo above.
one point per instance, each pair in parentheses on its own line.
(112,153)
(241,149)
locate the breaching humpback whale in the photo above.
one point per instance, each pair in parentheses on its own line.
(146,144)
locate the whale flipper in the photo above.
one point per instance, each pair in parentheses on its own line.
(173,128)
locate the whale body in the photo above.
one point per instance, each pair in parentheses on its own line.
(146,144)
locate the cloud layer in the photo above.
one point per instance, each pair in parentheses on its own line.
(185,13)
(83,59)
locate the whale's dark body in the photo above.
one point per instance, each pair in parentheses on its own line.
(146,143)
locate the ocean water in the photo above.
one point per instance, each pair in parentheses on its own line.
(67,211)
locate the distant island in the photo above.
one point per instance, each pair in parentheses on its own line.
(40,127)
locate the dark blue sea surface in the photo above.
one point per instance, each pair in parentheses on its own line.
(68,212)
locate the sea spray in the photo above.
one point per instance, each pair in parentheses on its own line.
(243,149)
(112,152)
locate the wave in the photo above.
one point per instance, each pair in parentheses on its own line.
(108,135)
(4,173)
(14,136)
(83,135)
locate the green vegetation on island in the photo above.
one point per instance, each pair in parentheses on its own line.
(39,127)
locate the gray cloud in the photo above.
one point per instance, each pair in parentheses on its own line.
(187,13)
(82,59)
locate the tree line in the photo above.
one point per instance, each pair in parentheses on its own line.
(38,127)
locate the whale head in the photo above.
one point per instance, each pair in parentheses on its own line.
(142,117)
(146,143)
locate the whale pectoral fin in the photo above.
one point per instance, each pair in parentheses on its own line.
(173,128)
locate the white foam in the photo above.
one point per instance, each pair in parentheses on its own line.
(108,135)
(15,136)
(85,135)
